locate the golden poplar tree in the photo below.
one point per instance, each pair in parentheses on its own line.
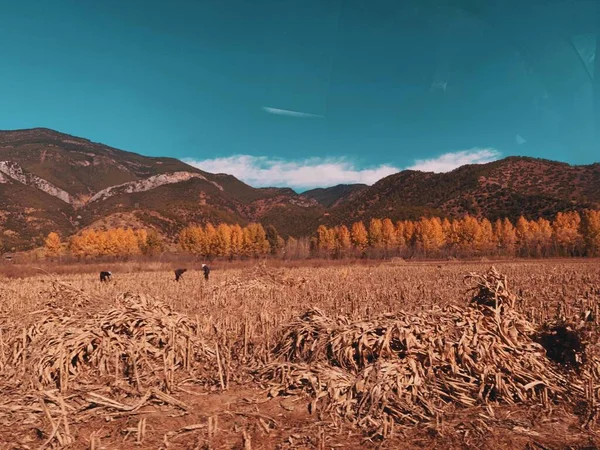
(376,234)
(487,239)
(342,240)
(400,240)
(248,244)
(409,233)
(212,240)
(325,240)
(469,234)
(447,229)
(388,234)
(192,239)
(53,244)
(543,237)
(429,236)
(76,246)
(359,236)
(505,236)
(255,239)
(130,245)
(524,234)
(590,227)
(567,236)
(223,240)
(110,239)
(237,240)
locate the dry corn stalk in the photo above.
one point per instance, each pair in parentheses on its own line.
(412,367)
(132,342)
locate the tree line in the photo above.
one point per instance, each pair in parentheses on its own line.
(569,234)
(114,242)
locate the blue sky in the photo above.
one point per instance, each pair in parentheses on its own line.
(309,92)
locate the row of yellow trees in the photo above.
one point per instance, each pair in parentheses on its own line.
(114,242)
(230,240)
(569,234)
(207,241)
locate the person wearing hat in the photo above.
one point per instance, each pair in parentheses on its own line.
(206,271)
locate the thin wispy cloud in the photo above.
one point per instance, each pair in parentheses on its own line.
(262,171)
(439,85)
(290,113)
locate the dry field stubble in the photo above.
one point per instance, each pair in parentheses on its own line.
(149,362)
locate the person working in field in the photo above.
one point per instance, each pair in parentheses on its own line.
(206,271)
(179,274)
(105,276)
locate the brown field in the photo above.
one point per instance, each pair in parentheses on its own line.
(145,362)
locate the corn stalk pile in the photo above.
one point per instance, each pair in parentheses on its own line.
(141,342)
(119,360)
(412,368)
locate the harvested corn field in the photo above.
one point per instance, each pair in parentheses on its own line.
(438,355)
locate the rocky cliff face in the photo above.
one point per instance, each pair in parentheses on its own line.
(16,172)
(148,184)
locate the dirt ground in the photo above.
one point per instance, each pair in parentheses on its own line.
(244,418)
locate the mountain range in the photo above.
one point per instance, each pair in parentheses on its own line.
(50,181)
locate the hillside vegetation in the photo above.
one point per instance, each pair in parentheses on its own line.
(50,181)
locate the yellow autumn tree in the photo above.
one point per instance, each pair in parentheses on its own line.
(505,236)
(248,244)
(376,234)
(388,234)
(448,230)
(400,240)
(469,234)
(53,245)
(543,237)
(129,243)
(567,236)
(192,239)
(325,240)
(212,241)
(487,240)
(429,236)
(359,236)
(237,240)
(524,234)
(409,233)
(590,227)
(223,247)
(255,240)
(342,240)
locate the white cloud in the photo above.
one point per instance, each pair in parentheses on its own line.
(315,172)
(261,171)
(450,161)
(290,113)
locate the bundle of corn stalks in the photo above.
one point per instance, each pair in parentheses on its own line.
(412,368)
(141,342)
(492,290)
